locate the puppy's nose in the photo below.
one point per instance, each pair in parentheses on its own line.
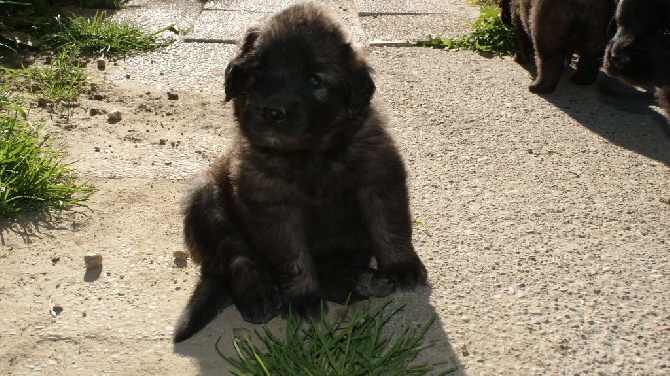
(619,59)
(274,114)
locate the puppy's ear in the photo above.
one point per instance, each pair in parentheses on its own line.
(361,87)
(233,74)
(232,80)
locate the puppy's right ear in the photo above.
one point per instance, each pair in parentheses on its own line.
(232,70)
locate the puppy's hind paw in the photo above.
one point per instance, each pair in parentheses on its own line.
(306,307)
(260,305)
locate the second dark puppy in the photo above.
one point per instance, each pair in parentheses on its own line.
(555,29)
(313,190)
(639,52)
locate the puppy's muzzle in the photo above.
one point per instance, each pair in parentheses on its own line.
(273,114)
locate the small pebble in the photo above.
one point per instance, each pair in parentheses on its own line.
(56,310)
(55,259)
(98,96)
(172,95)
(101,64)
(180,255)
(42,102)
(114,115)
(93,260)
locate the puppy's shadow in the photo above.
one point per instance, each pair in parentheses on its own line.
(416,313)
(616,111)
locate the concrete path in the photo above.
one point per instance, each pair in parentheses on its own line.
(543,220)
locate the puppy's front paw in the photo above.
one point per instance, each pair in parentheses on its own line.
(541,88)
(408,275)
(372,284)
(306,307)
(260,304)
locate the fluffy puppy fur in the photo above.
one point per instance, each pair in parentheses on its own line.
(314,189)
(555,29)
(639,52)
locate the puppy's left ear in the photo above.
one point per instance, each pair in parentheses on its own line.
(232,80)
(233,71)
(361,87)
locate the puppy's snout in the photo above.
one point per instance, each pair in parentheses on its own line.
(273,114)
(619,59)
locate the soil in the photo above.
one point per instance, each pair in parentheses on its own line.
(543,223)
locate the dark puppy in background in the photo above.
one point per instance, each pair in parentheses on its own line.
(313,190)
(639,52)
(555,29)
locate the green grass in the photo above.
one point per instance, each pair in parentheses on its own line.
(335,347)
(96,36)
(61,81)
(489,36)
(33,176)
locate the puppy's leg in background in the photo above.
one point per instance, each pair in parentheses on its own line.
(387,213)
(524,44)
(588,67)
(550,63)
(280,237)
(591,52)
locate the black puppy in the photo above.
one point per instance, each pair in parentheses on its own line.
(639,52)
(553,30)
(314,189)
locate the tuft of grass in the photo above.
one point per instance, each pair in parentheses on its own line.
(96,36)
(489,36)
(352,348)
(61,81)
(33,176)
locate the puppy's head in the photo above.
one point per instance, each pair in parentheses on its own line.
(639,51)
(297,83)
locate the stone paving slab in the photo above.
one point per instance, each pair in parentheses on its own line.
(225,21)
(377,7)
(181,66)
(414,27)
(256,6)
(223,26)
(156,15)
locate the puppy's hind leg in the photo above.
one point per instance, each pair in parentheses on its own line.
(550,65)
(524,44)
(210,296)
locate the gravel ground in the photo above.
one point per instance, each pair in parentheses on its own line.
(543,221)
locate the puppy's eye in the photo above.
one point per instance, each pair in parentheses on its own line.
(315,81)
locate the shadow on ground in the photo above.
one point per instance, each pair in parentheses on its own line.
(605,108)
(416,313)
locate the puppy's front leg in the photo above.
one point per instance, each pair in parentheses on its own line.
(387,213)
(281,240)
